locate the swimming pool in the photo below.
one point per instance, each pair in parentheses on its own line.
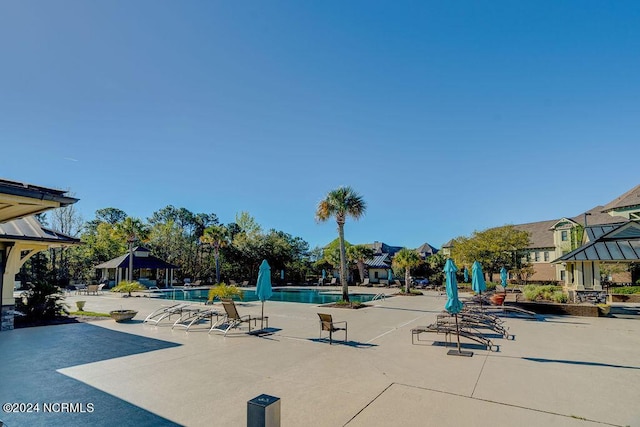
(303,295)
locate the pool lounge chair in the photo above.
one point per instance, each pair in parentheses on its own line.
(232,319)
(165,312)
(365,282)
(449,331)
(327,324)
(334,281)
(193,315)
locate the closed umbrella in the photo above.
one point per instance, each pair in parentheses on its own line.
(503,278)
(477,280)
(282,275)
(263,287)
(454,305)
(389,275)
(466,275)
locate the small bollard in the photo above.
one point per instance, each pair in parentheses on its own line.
(263,411)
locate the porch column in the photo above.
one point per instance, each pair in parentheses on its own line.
(11,260)
(8,303)
(579,276)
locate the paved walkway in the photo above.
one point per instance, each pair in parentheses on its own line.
(559,371)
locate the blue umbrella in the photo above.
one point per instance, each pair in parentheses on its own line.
(324,274)
(389,275)
(263,287)
(466,275)
(477,279)
(454,305)
(282,274)
(503,277)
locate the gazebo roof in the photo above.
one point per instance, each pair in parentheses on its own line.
(146,261)
(622,244)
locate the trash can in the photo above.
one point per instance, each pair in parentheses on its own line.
(263,411)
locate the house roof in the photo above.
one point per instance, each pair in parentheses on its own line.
(18,199)
(149,261)
(629,199)
(540,235)
(449,244)
(30,229)
(622,243)
(427,249)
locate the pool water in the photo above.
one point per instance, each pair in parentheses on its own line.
(307,296)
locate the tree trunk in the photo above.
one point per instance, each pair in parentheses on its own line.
(407,280)
(361,270)
(217,255)
(343,263)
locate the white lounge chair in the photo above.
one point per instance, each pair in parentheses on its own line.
(165,312)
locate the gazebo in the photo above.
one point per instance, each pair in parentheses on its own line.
(144,262)
(610,243)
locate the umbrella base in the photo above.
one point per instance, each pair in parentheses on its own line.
(460,353)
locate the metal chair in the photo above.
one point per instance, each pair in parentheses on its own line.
(327,324)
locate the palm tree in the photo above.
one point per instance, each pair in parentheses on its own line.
(359,254)
(218,237)
(407,259)
(341,203)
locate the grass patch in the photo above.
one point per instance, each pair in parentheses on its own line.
(88,314)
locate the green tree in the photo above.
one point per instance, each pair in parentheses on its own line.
(406,259)
(217,237)
(341,203)
(495,248)
(359,254)
(436,264)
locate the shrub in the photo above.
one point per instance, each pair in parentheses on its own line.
(224,291)
(560,297)
(626,290)
(546,293)
(128,287)
(42,301)
(491,286)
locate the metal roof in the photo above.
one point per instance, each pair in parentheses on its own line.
(596,231)
(622,243)
(30,229)
(18,199)
(379,261)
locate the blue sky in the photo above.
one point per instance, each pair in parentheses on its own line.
(447,117)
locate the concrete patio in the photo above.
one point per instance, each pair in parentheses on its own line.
(559,371)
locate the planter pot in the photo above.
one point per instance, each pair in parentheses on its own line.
(497,299)
(80,305)
(122,315)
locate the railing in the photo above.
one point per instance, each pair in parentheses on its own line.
(379,297)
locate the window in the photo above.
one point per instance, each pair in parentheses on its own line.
(546,256)
(562,275)
(563,235)
(537,256)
